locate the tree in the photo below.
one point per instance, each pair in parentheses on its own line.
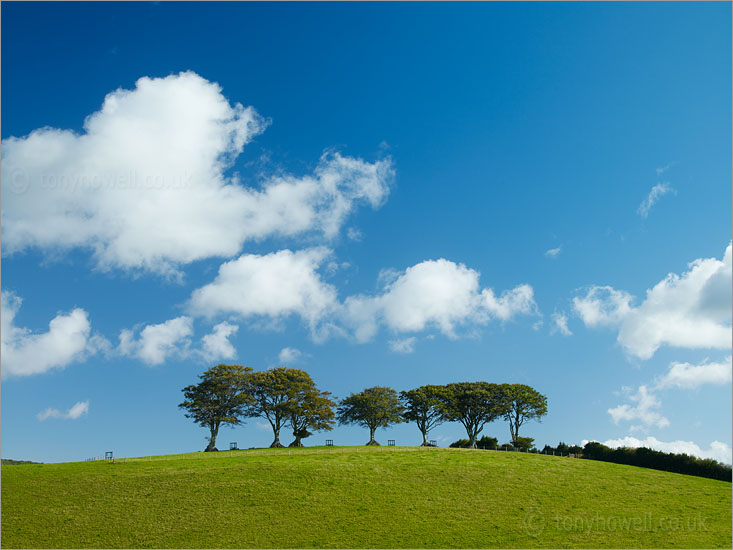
(218,399)
(373,408)
(312,411)
(523,443)
(422,407)
(523,403)
(473,404)
(274,396)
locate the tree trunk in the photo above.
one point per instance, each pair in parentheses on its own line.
(372,441)
(514,430)
(296,443)
(212,441)
(276,443)
(472,440)
(425,442)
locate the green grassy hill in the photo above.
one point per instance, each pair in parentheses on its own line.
(360,497)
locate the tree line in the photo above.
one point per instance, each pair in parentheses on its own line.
(669,462)
(289,398)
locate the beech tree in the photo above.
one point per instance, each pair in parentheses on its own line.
(313,411)
(523,403)
(219,398)
(274,396)
(473,404)
(372,408)
(422,406)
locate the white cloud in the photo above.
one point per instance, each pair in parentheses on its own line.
(662,169)
(692,310)
(433,293)
(405,345)
(216,345)
(79,409)
(68,339)
(519,300)
(644,410)
(144,186)
(155,343)
(689,311)
(561,324)
(288,356)
(602,306)
(553,252)
(353,234)
(717,451)
(276,285)
(658,191)
(687,375)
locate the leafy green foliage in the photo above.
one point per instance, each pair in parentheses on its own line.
(422,407)
(278,394)
(648,458)
(377,407)
(524,443)
(522,403)
(486,442)
(219,398)
(312,410)
(473,404)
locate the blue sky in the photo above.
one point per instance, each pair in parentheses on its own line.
(406,194)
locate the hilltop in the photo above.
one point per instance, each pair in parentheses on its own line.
(360,497)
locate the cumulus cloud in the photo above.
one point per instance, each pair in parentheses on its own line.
(156,343)
(691,310)
(145,187)
(433,294)
(644,410)
(78,410)
(517,301)
(553,252)
(560,321)
(276,285)
(216,345)
(288,356)
(717,451)
(658,191)
(602,306)
(687,375)
(68,339)
(405,345)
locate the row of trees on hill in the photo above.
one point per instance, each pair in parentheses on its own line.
(648,458)
(288,398)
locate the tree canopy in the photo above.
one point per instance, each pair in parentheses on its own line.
(473,404)
(312,411)
(275,394)
(289,397)
(372,408)
(522,403)
(219,398)
(422,406)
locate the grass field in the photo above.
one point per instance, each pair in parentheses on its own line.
(360,497)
